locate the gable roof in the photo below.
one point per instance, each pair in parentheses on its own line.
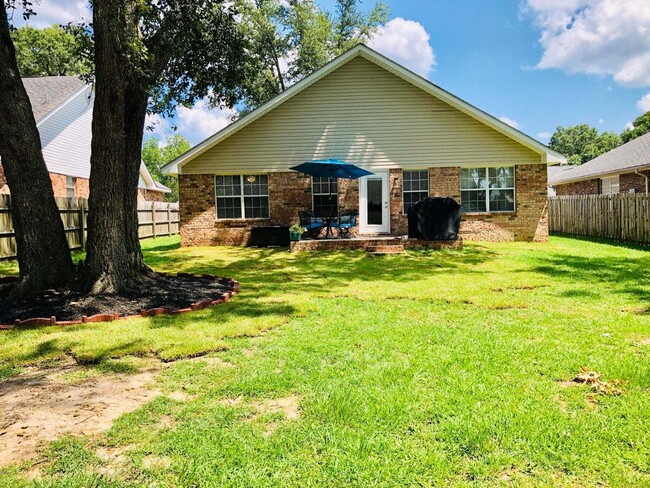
(629,157)
(361,50)
(47,93)
(68,99)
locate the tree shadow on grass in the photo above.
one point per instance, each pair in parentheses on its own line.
(270,271)
(628,276)
(609,242)
(53,348)
(222,313)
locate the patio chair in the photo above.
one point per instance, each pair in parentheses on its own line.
(313,225)
(346,221)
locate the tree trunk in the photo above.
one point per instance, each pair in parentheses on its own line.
(114,262)
(43,254)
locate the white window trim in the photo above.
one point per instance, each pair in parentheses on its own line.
(313,194)
(241,200)
(72,186)
(487,190)
(404,209)
(609,180)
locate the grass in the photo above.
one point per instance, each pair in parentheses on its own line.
(420,370)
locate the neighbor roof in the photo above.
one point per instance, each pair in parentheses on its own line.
(624,159)
(364,51)
(46,93)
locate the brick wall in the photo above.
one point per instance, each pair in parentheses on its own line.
(627,182)
(398,221)
(150,195)
(290,192)
(586,187)
(81,186)
(529,221)
(633,181)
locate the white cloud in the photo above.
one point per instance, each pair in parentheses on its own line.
(406,42)
(510,122)
(599,37)
(49,12)
(158,126)
(629,126)
(545,136)
(201,121)
(644,103)
(600,121)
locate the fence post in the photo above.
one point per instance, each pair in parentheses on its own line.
(153,218)
(82,224)
(169,219)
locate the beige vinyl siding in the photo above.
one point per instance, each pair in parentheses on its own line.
(366,115)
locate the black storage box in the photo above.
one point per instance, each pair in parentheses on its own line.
(435,219)
(270,236)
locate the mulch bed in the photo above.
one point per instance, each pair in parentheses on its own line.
(171,294)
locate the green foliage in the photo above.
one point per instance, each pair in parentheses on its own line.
(641,126)
(290,40)
(155,155)
(582,143)
(47,52)
(350,26)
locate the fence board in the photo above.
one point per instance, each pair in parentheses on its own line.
(622,216)
(74,213)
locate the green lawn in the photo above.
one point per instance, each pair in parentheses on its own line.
(420,370)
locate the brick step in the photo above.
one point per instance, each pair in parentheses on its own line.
(384,249)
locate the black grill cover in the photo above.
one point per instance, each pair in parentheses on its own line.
(435,219)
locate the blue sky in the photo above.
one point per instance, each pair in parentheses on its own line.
(536,63)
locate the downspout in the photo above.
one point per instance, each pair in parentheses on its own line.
(646,180)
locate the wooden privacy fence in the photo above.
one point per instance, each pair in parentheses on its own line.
(622,216)
(154,219)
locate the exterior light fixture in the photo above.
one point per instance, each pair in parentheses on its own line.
(251,178)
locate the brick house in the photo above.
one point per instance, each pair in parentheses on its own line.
(363,108)
(625,169)
(63,107)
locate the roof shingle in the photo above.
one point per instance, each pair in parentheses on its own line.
(48,92)
(624,159)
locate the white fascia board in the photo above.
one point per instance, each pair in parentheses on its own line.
(65,102)
(602,174)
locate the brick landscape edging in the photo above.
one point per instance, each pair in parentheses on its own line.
(152,312)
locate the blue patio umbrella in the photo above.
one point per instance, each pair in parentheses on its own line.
(332,169)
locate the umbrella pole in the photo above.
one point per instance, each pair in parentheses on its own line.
(329,217)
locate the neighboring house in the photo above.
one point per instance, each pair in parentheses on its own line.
(625,169)
(553,172)
(63,107)
(416,138)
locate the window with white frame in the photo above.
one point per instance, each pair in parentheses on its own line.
(415,187)
(609,185)
(490,189)
(69,186)
(325,201)
(242,196)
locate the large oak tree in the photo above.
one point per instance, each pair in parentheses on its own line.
(148,55)
(43,255)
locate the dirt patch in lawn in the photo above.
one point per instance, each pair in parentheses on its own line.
(595,382)
(38,407)
(175,292)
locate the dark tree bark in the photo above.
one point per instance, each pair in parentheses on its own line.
(130,60)
(114,262)
(43,255)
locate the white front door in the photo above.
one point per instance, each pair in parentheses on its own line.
(374,211)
